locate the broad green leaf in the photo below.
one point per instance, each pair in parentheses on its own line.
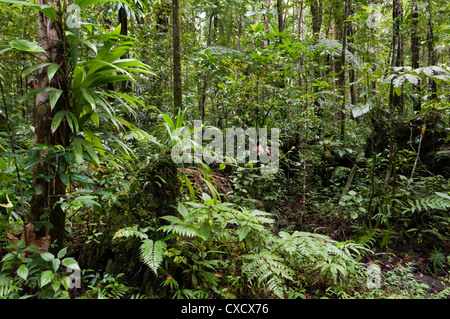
(89,45)
(95,141)
(86,199)
(51,70)
(78,76)
(71,263)
(72,121)
(22,3)
(26,46)
(87,146)
(35,92)
(89,98)
(46,277)
(57,120)
(243,232)
(49,11)
(22,272)
(130,99)
(65,281)
(78,149)
(44,8)
(85,3)
(47,256)
(34,68)
(80,178)
(169,122)
(102,79)
(95,119)
(54,96)
(182,210)
(55,264)
(65,179)
(56,285)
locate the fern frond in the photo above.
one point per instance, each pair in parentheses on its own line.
(152,253)
(180,227)
(7,287)
(130,232)
(268,269)
(437,201)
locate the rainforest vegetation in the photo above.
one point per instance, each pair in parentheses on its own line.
(96,95)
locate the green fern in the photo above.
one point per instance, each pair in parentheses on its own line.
(180,227)
(7,287)
(320,254)
(437,201)
(152,253)
(436,206)
(269,269)
(131,232)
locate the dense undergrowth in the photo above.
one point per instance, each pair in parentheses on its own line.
(234,235)
(359,207)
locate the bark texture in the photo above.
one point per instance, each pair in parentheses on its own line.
(46,215)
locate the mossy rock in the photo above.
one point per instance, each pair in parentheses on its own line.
(153,193)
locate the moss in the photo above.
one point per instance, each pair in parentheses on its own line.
(152,194)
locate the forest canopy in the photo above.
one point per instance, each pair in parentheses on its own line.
(245,149)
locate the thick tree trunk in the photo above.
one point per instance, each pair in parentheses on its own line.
(48,186)
(177,80)
(123,22)
(316,12)
(280,16)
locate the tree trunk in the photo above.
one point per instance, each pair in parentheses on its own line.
(430,42)
(415,51)
(342,74)
(397,52)
(316,12)
(177,81)
(123,22)
(395,100)
(281,81)
(351,71)
(205,74)
(48,186)
(280,17)
(316,24)
(300,20)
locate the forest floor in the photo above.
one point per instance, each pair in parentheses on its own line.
(410,255)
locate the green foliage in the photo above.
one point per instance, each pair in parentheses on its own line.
(107,287)
(215,238)
(26,273)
